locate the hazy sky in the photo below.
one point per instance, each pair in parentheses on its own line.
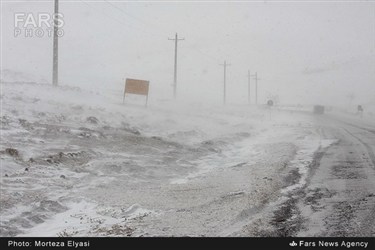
(304,52)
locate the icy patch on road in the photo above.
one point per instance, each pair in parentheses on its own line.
(304,157)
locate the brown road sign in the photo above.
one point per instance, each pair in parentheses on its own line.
(136,87)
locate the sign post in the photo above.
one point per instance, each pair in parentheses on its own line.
(136,87)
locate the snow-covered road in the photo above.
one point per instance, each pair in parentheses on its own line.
(340,197)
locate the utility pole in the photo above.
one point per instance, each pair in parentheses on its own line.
(55,66)
(225,76)
(248,86)
(176,39)
(256,87)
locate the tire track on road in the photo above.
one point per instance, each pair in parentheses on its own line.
(366,224)
(368,148)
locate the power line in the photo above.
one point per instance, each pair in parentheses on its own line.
(131,16)
(110,17)
(124,12)
(204,53)
(146,25)
(176,39)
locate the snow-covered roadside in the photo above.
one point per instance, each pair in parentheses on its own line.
(88,219)
(76,160)
(304,157)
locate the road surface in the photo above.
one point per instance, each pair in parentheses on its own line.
(339,196)
(341,191)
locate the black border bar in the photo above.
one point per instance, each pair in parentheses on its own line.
(187,242)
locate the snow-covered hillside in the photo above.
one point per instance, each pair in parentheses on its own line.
(81,163)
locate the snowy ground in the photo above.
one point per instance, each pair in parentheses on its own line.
(80,163)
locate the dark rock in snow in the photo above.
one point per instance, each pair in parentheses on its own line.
(12,152)
(79,158)
(126,127)
(92,120)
